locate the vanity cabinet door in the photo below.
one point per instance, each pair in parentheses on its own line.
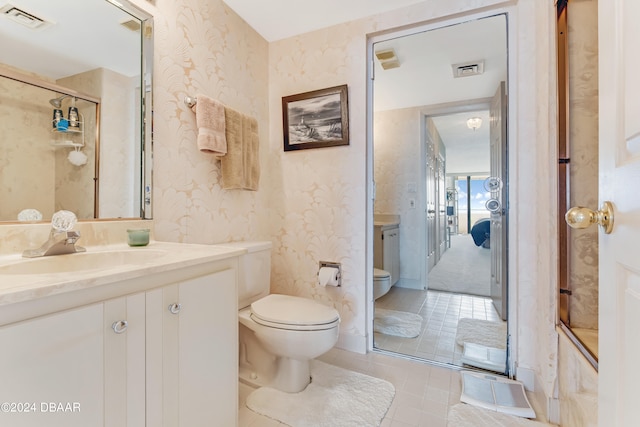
(386,250)
(391,253)
(124,361)
(192,353)
(53,370)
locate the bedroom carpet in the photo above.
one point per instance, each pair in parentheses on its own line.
(464,268)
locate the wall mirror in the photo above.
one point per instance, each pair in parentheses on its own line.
(440,210)
(75,109)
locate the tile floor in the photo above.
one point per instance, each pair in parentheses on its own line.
(424,392)
(440,312)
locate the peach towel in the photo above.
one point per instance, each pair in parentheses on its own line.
(240,168)
(210,121)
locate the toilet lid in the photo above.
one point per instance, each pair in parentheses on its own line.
(380,274)
(289,312)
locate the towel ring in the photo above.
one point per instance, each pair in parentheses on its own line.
(189,101)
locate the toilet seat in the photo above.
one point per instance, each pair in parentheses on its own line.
(381,283)
(379,274)
(293,313)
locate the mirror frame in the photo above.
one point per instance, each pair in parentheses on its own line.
(145,126)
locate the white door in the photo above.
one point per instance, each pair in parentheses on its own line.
(619,311)
(498,239)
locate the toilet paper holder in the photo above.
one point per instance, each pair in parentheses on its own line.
(332,265)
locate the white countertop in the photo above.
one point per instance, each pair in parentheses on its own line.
(386,224)
(167,257)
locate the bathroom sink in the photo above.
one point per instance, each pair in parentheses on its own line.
(82,262)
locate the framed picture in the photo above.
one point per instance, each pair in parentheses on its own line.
(316,119)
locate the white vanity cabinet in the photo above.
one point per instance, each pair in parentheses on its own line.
(192,352)
(164,354)
(386,249)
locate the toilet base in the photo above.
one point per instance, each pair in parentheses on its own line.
(292,376)
(259,368)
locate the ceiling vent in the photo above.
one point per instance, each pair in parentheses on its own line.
(388,59)
(468,69)
(131,24)
(22,17)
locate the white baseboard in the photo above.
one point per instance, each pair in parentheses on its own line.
(351,342)
(549,405)
(527,377)
(409,284)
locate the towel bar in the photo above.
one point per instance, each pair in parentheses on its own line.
(190,101)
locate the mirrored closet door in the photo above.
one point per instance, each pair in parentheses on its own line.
(439,164)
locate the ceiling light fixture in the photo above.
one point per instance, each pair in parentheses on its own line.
(474,123)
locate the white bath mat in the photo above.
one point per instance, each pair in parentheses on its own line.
(336,397)
(495,393)
(463,415)
(483,332)
(481,356)
(397,323)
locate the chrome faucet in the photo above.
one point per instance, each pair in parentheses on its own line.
(62,239)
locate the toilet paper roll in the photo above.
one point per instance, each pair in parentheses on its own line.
(328,276)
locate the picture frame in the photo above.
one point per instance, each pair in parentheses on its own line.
(316,119)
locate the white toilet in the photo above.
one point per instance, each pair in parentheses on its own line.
(279,334)
(381,283)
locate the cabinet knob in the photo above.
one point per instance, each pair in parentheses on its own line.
(175,308)
(120,326)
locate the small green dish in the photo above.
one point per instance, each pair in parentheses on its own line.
(138,237)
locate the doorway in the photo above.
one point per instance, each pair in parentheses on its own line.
(418,172)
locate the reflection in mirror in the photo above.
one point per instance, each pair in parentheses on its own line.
(439,149)
(75,109)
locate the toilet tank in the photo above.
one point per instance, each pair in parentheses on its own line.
(254,271)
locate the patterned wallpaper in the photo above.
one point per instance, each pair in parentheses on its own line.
(312,203)
(397,163)
(202,47)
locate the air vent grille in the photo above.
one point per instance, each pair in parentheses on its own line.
(467,69)
(131,24)
(388,59)
(22,17)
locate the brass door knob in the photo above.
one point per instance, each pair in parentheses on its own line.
(580,217)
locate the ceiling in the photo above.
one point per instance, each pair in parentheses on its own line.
(425,75)
(70,43)
(425,78)
(279,19)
